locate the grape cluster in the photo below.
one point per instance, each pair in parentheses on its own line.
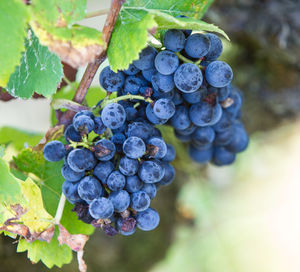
(113,177)
(191,91)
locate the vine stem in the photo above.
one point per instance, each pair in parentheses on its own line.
(92,68)
(60,209)
(125,97)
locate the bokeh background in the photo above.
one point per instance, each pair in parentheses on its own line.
(240,218)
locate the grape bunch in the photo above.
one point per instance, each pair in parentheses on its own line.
(190,90)
(112,173)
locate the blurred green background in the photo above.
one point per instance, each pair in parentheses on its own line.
(240,218)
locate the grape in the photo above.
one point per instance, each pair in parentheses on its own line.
(200,155)
(204,136)
(203,114)
(170,155)
(151,116)
(116,181)
(71,175)
(89,188)
(233,109)
(133,184)
(218,74)
(216,47)
(146,58)
(221,156)
(126,226)
(139,129)
(164,108)
(150,171)
(166,62)
(101,208)
(113,116)
(183,138)
(223,124)
(103,170)
(81,160)
(128,167)
(54,151)
(99,126)
(85,113)
(131,71)
(83,124)
(224,137)
(105,150)
(150,189)
(148,73)
(177,99)
(169,174)
(197,45)
(174,40)
(186,32)
(188,131)
(70,191)
(147,220)
(162,83)
(131,113)
(120,200)
(72,134)
(118,138)
(223,93)
(134,147)
(132,85)
(158,148)
(194,97)
(181,119)
(111,81)
(140,201)
(188,78)
(239,140)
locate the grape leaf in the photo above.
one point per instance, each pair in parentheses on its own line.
(40,71)
(18,138)
(49,253)
(51,187)
(53,24)
(13,21)
(128,40)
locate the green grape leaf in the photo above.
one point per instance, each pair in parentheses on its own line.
(128,40)
(50,181)
(18,138)
(13,20)
(40,71)
(53,22)
(49,253)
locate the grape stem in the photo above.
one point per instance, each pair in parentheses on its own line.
(186,60)
(125,97)
(60,209)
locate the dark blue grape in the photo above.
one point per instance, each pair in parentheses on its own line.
(221,156)
(54,151)
(158,94)
(111,81)
(170,155)
(223,124)
(72,134)
(126,226)
(134,147)
(101,208)
(181,119)
(223,93)
(81,160)
(148,73)
(132,85)
(118,139)
(113,116)
(194,97)
(103,170)
(71,175)
(99,126)
(146,58)
(164,108)
(188,131)
(169,174)
(200,155)
(131,70)
(224,137)
(83,124)
(158,148)
(140,201)
(177,98)
(197,45)
(188,77)
(186,32)
(90,188)
(204,136)
(133,184)
(239,140)
(216,47)
(104,150)
(70,191)
(120,200)
(151,171)
(128,167)
(156,133)
(150,189)
(121,129)
(183,138)
(174,40)
(218,74)
(162,83)
(140,129)
(234,109)
(147,220)
(131,113)
(153,118)
(84,112)
(166,62)
(204,114)
(116,181)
